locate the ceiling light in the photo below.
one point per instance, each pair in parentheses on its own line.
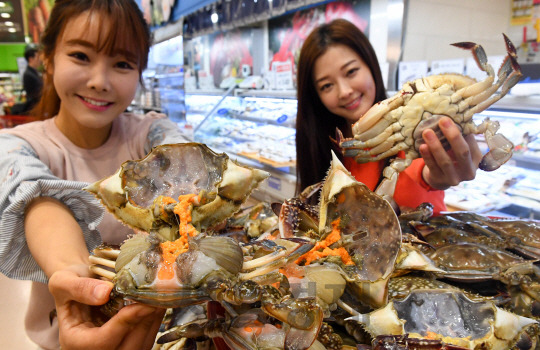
(214,17)
(12,30)
(9,24)
(5,15)
(2,4)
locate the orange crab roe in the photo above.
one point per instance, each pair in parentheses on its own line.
(332,238)
(255,327)
(171,249)
(165,201)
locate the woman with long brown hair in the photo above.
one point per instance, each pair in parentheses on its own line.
(339,79)
(94,53)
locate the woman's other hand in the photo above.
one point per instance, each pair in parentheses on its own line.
(77,296)
(445,169)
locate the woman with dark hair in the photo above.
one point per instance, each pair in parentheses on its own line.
(339,79)
(94,54)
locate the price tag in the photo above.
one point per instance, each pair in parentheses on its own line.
(283,75)
(275,183)
(448,66)
(206,81)
(409,71)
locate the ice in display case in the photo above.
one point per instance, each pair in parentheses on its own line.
(514,188)
(257,131)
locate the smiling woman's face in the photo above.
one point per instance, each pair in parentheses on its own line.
(94,87)
(344,82)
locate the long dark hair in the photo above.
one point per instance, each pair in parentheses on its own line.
(128,34)
(315,124)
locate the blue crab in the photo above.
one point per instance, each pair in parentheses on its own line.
(449,316)
(254,330)
(139,193)
(396,124)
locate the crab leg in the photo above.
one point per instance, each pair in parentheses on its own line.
(279,253)
(285,258)
(102,272)
(101,261)
(388,185)
(376,113)
(104,256)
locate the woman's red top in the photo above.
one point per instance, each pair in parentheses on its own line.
(411,189)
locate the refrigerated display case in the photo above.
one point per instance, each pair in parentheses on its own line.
(162,91)
(256,130)
(260,131)
(514,188)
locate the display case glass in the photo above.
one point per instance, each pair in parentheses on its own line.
(514,188)
(256,130)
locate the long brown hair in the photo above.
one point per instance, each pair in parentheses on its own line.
(315,124)
(128,34)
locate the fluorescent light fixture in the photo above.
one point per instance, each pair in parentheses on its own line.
(12,30)
(214,17)
(9,24)
(5,15)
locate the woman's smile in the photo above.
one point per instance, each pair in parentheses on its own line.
(95,104)
(354,104)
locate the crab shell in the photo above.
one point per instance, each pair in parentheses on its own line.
(449,316)
(134,194)
(140,260)
(369,223)
(470,262)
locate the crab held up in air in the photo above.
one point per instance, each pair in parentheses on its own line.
(396,124)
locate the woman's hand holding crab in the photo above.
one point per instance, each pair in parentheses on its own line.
(83,327)
(448,168)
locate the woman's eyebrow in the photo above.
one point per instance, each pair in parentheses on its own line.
(348,63)
(342,67)
(74,42)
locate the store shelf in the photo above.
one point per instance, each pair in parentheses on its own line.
(148,108)
(265,93)
(270,162)
(214,92)
(169,75)
(287,122)
(519,103)
(526,161)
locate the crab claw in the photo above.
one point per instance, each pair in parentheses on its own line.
(510,48)
(303,315)
(478,53)
(296,216)
(500,148)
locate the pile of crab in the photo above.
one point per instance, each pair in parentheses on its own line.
(328,276)
(345,273)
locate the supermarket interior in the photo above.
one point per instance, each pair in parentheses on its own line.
(225,72)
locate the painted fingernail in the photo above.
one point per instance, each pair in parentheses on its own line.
(101,291)
(446,122)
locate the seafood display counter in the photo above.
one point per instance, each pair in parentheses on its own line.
(259,131)
(514,189)
(256,130)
